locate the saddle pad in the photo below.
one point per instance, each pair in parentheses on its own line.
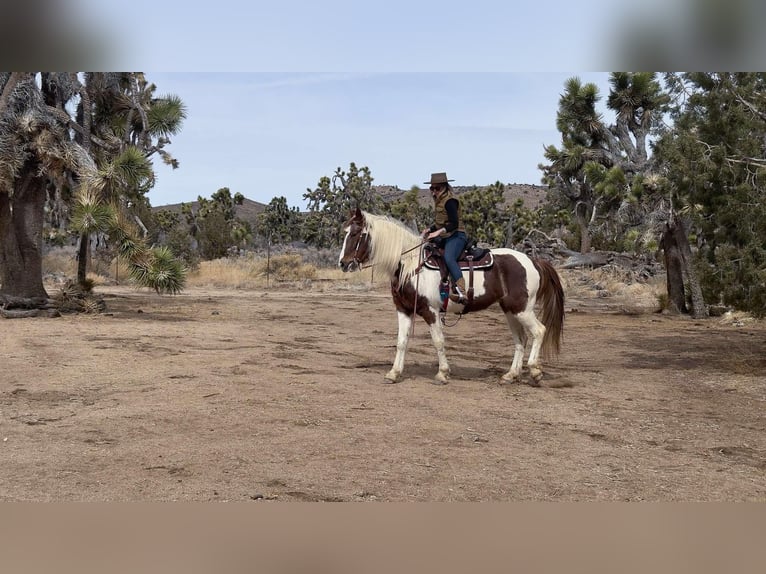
(484,263)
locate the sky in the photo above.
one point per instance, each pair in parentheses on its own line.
(267,134)
(282,93)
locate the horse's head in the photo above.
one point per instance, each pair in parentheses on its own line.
(356,245)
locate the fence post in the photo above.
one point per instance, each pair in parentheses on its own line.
(268,263)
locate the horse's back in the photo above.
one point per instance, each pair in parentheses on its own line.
(533,275)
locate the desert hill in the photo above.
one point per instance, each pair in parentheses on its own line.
(532,195)
(248,211)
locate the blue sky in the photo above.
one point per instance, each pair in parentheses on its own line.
(280,94)
(354,35)
(268,134)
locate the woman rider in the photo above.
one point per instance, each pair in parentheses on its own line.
(448,226)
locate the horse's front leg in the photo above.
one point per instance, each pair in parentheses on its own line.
(402,338)
(437,336)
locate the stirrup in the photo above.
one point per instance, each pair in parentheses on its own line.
(461,298)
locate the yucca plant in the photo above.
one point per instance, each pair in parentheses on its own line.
(159,270)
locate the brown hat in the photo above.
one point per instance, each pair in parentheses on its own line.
(438,179)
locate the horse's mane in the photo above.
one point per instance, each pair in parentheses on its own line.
(389,238)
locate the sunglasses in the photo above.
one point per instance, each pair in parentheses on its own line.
(435,187)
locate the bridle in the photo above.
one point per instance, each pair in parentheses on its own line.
(355,260)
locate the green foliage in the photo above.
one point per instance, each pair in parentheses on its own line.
(165,220)
(128,174)
(331,202)
(713,166)
(485,215)
(169,230)
(591,173)
(214,225)
(86,141)
(408,209)
(159,270)
(489,220)
(166,115)
(89,218)
(181,244)
(279,222)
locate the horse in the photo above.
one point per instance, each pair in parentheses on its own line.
(515,281)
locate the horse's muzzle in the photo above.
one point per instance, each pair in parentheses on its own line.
(349,266)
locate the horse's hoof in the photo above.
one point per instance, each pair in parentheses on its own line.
(510,379)
(391,378)
(440,379)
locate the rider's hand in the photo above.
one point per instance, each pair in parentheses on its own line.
(435,234)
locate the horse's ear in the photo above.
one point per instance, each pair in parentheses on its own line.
(358,214)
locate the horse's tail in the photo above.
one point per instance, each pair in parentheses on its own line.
(551,297)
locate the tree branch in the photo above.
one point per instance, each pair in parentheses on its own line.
(748,105)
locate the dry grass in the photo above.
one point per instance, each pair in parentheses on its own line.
(306,271)
(614,284)
(736,318)
(251,272)
(60,261)
(60,266)
(290,270)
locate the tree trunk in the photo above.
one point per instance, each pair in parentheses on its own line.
(582,223)
(673,271)
(678,266)
(698,307)
(21,227)
(82,259)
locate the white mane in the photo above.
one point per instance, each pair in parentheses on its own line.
(389,238)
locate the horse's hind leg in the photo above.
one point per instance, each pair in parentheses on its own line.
(519,344)
(402,338)
(536,330)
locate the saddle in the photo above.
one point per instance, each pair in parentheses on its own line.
(471,258)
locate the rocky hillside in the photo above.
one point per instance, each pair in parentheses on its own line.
(248,211)
(532,195)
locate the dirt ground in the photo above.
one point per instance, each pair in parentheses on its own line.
(278,395)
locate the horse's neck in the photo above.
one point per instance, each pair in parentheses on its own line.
(397,250)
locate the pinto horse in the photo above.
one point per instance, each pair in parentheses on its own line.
(514,281)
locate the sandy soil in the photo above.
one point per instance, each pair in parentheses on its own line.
(278,396)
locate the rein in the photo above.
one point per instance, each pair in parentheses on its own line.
(359,242)
(421,263)
(414,248)
(417,287)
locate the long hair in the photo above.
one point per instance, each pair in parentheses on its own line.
(389,240)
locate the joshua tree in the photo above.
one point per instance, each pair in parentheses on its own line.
(82,141)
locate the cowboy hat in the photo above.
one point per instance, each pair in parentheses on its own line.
(438,179)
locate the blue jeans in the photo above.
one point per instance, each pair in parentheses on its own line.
(453,247)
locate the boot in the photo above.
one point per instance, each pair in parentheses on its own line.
(458,292)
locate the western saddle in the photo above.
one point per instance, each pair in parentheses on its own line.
(471,258)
